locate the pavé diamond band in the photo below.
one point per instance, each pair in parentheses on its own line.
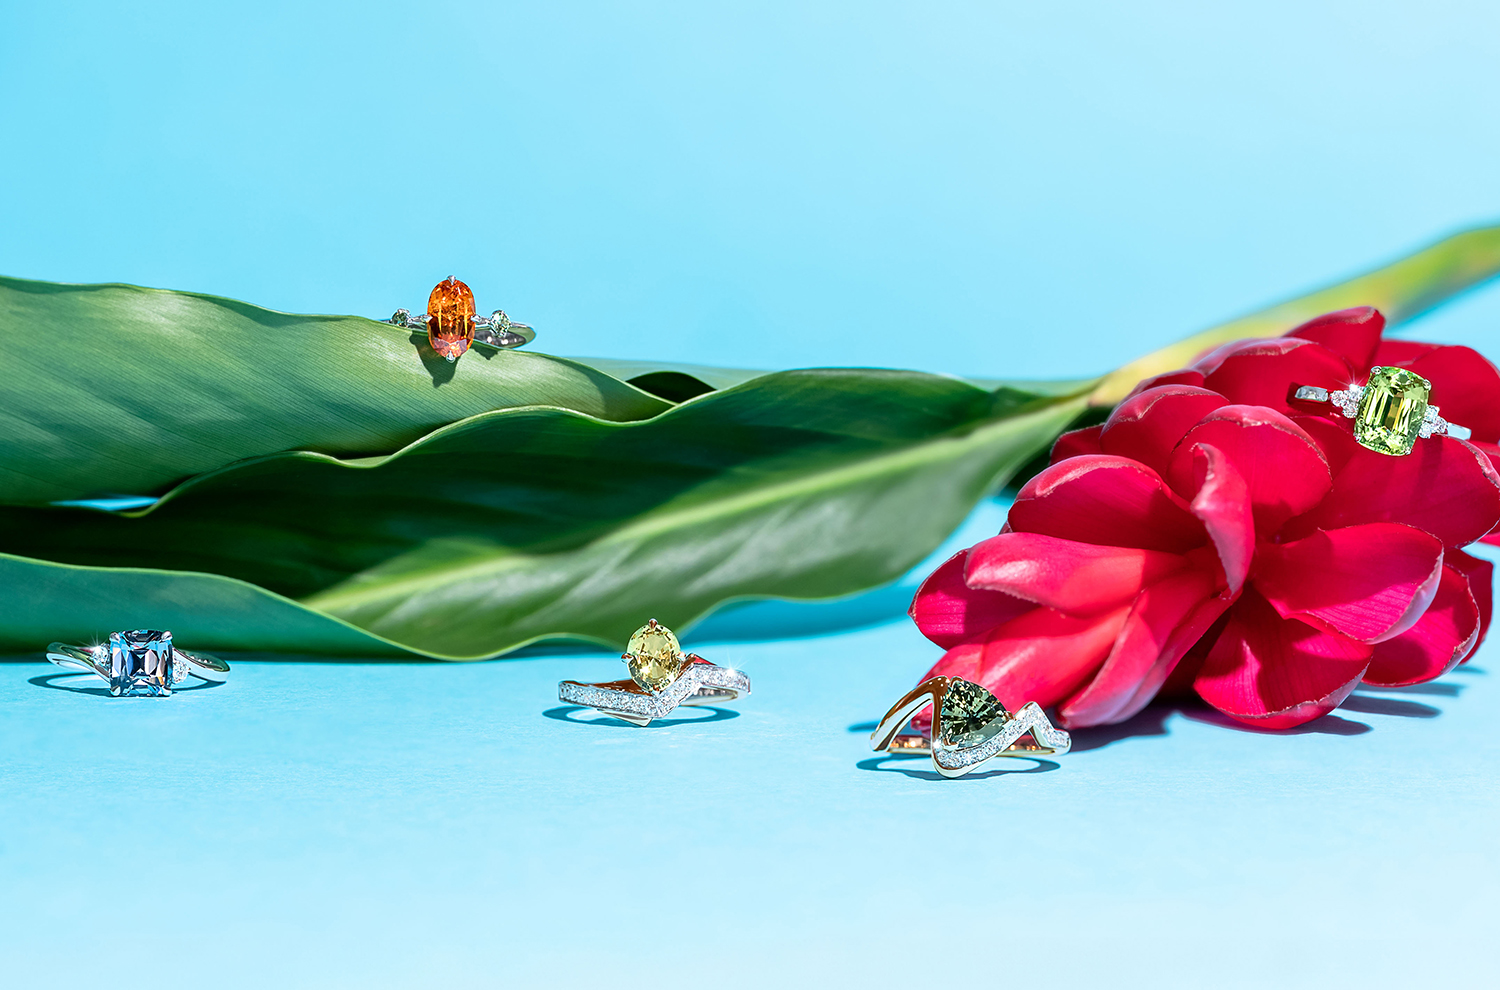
(139,662)
(662,677)
(451,324)
(1390,412)
(970,727)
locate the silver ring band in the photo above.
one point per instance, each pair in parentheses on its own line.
(701,683)
(1346,402)
(496,330)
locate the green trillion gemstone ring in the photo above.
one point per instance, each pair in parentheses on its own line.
(1390,411)
(970,727)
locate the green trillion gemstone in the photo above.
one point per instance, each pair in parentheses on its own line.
(969,715)
(1391,410)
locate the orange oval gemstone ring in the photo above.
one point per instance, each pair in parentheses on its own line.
(451,325)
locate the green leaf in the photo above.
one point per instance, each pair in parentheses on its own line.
(1402,291)
(526,524)
(115,389)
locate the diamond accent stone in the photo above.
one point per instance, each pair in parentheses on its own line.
(140,662)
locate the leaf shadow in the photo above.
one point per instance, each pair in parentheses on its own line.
(874,764)
(45,681)
(565,713)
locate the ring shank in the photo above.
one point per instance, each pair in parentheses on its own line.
(911,744)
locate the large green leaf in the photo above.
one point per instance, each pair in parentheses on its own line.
(524,524)
(115,389)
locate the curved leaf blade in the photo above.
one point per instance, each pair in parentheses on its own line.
(116,389)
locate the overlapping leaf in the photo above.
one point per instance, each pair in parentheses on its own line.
(522,524)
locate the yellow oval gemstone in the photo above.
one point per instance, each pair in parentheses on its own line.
(1391,410)
(654,656)
(450,318)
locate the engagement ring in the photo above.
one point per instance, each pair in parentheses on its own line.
(970,727)
(139,662)
(451,326)
(661,678)
(1390,411)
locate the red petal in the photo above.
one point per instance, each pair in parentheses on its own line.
(1283,468)
(1076,578)
(1075,442)
(1465,386)
(1370,583)
(1334,437)
(1223,505)
(1353,334)
(1044,655)
(1166,620)
(1261,372)
(1481,576)
(1148,426)
(1446,633)
(1111,501)
(948,611)
(1276,673)
(1401,352)
(1444,486)
(1183,376)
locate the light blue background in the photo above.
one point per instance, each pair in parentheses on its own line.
(988,189)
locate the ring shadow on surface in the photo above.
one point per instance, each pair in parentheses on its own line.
(440,368)
(45,681)
(564,713)
(874,764)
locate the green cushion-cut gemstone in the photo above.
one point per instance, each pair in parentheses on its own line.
(1391,410)
(969,715)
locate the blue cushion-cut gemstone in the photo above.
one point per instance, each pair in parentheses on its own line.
(140,662)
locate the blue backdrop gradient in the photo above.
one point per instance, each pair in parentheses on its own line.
(992,189)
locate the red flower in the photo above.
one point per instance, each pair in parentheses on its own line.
(1207,520)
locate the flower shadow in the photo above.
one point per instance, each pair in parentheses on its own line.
(874,763)
(566,713)
(1369,705)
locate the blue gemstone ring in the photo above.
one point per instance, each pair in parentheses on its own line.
(139,662)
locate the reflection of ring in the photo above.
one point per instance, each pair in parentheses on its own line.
(971,727)
(139,662)
(1390,411)
(661,678)
(451,326)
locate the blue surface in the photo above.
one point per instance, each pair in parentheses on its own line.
(986,189)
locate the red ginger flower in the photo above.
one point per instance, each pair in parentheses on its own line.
(1208,520)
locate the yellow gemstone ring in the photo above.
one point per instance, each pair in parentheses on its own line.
(661,678)
(970,727)
(1390,411)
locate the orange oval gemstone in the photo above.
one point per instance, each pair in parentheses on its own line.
(450,318)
